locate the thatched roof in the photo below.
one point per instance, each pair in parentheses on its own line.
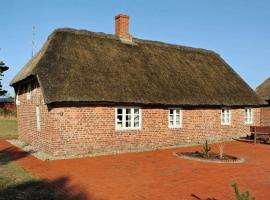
(78,65)
(263,90)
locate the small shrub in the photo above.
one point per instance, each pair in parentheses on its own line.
(206,150)
(241,196)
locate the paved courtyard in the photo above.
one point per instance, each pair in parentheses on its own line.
(154,174)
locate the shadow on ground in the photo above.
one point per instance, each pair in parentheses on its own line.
(13,154)
(35,189)
(58,189)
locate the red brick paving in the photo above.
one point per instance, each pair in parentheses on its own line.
(158,174)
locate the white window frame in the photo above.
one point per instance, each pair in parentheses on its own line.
(228,116)
(38,117)
(124,118)
(29,92)
(174,118)
(17,100)
(248,116)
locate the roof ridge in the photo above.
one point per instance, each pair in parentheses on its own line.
(263,83)
(135,40)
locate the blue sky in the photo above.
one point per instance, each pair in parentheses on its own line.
(236,29)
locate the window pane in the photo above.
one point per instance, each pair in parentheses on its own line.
(119,125)
(171,118)
(171,112)
(128,117)
(136,111)
(136,123)
(128,124)
(119,118)
(128,120)
(177,112)
(136,117)
(128,111)
(119,111)
(177,121)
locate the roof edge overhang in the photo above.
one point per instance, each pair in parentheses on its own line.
(114,103)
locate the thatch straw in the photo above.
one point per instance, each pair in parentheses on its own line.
(78,65)
(263,90)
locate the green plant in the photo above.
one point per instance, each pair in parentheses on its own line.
(206,150)
(241,196)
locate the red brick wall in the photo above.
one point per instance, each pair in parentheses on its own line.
(265,116)
(26,118)
(91,129)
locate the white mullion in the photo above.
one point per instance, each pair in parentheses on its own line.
(140,118)
(227,117)
(251,115)
(174,117)
(132,117)
(180,117)
(230,116)
(124,118)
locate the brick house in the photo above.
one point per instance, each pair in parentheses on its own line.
(263,91)
(87,92)
(7,103)
(7,107)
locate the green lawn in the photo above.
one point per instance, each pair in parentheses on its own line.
(8,129)
(16,183)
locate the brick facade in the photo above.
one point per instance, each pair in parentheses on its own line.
(83,129)
(265,116)
(26,118)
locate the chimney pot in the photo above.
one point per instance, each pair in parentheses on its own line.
(122,26)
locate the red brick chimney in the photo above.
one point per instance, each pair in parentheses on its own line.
(121,27)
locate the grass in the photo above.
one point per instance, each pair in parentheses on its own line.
(16,183)
(8,128)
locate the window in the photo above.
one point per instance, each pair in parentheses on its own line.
(248,116)
(175,118)
(225,116)
(38,117)
(28,95)
(128,118)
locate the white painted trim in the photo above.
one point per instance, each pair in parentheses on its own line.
(38,117)
(251,117)
(230,116)
(174,118)
(124,118)
(17,100)
(28,91)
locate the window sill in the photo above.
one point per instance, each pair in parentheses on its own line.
(128,129)
(226,124)
(176,127)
